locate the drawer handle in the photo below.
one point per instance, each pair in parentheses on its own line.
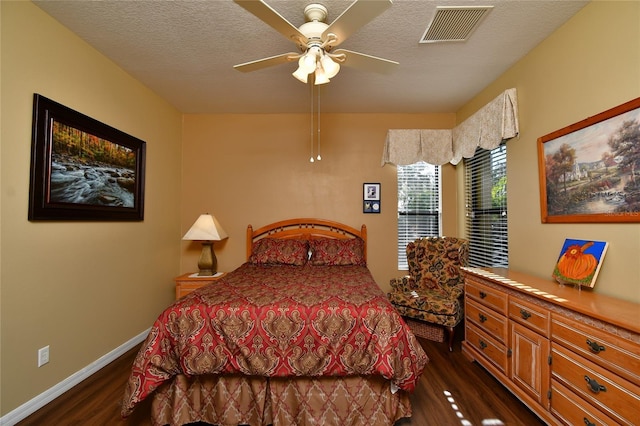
(595,346)
(588,423)
(483,295)
(483,345)
(525,315)
(594,385)
(482,318)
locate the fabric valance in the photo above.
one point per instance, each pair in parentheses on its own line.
(408,146)
(487,128)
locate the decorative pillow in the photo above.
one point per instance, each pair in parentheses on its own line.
(330,251)
(279,251)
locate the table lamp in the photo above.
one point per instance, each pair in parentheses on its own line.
(207,230)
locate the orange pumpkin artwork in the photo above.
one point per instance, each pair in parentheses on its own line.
(579,262)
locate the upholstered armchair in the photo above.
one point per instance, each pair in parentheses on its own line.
(432,292)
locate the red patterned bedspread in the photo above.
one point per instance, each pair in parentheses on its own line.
(279,321)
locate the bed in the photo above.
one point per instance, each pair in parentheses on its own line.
(299,334)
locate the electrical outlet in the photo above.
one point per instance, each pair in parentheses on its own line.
(43,356)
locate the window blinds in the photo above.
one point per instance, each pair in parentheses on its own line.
(486,207)
(418,205)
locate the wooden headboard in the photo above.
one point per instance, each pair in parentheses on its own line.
(306,229)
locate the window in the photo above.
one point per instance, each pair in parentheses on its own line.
(486,207)
(418,205)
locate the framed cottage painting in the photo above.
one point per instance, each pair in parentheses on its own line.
(590,171)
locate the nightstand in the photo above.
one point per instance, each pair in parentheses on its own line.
(190,281)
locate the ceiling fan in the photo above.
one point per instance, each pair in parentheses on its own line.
(318,62)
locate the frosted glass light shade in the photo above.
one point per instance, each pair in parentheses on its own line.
(307,62)
(329,66)
(321,77)
(301,75)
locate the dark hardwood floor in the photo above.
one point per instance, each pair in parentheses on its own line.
(452,391)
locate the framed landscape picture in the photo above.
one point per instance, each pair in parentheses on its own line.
(82,169)
(590,171)
(579,262)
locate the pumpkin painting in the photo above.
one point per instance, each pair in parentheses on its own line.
(579,262)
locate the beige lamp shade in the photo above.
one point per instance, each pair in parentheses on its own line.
(206,229)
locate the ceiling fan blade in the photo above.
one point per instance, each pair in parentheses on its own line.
(359,13)
(366,62)
(271,17)
(267,62)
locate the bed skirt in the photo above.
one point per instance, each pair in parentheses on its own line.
(258,401)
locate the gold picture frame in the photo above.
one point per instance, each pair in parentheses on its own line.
(590,171)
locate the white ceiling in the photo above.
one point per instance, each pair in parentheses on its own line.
(185,51)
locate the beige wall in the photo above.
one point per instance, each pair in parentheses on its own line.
(255,169)
(85,288)
(82,288)
(589,65)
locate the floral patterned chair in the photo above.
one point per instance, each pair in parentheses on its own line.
(432,292)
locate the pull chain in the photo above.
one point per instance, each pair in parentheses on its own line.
(311,124)
(319,157)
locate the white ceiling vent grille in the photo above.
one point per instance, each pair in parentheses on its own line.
(454,23)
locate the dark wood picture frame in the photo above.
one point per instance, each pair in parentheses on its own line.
(371,198)
(590,171)
(82,169)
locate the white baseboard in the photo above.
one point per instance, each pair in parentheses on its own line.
(33,405)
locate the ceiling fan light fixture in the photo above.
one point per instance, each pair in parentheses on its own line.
(321,76)
(307,62)
(315,60)
(330,67)
(317,39)
(301,75)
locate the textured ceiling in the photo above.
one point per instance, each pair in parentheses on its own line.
(185,52)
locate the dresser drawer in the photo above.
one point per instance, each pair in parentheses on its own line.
(572,410)
(605,349)
(488,296)
(494,351)
(613,395)
(487,320)
(531,316)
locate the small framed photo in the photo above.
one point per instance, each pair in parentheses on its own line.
(371,198)
(371,206)
(371,192)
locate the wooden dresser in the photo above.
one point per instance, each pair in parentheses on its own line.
(572,356)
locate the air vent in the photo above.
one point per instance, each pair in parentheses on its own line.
(454,23)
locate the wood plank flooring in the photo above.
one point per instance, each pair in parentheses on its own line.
(452,391)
